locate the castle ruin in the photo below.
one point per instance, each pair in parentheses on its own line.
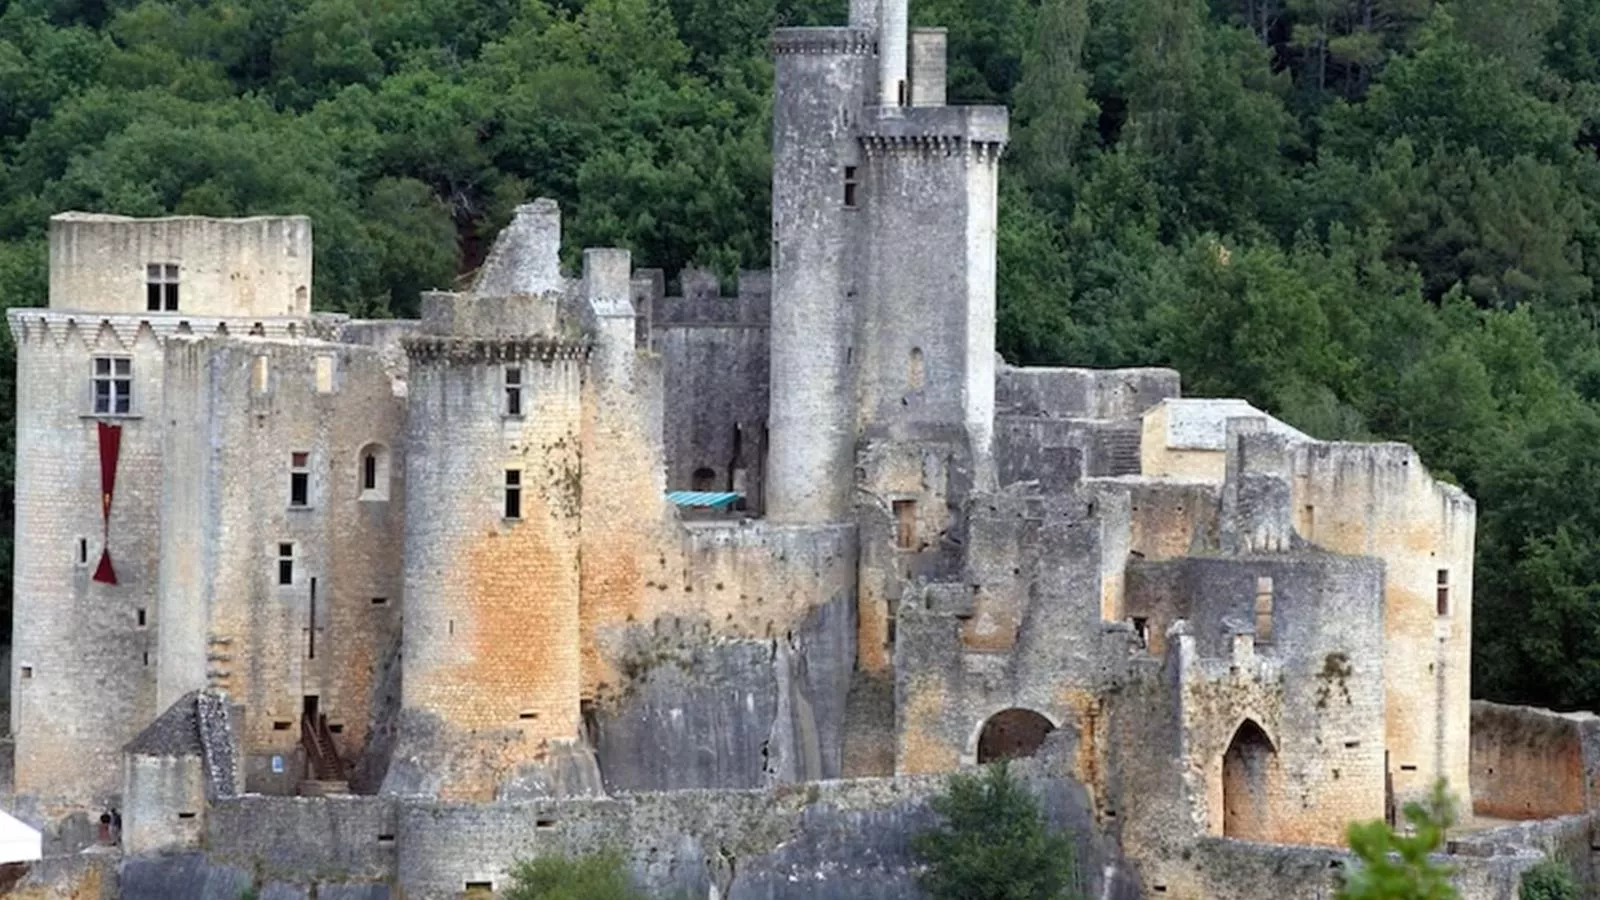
(568,549)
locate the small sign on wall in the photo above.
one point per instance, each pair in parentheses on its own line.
(277,765)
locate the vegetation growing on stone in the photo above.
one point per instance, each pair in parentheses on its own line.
(994,843)
(1373,218)
(596,876)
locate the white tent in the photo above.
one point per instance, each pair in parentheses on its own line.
(18,842)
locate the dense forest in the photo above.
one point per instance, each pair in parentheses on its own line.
(1375,218)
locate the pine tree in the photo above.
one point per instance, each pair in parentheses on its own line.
(994,844)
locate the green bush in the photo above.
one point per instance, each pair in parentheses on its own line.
(596,876)
(1549,880)
(994,844)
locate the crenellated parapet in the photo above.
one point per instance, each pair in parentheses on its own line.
(470,351)
(823,42)
(980,152)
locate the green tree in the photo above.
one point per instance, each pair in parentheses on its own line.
(994,844)
(1397,866)
(596,876)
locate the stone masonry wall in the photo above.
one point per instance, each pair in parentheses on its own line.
(1532,763)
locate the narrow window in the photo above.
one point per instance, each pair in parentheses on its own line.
(513,392)
(141,618)
(373,472)
(113,385)
(1263,609)
(280,725)
(161,287)
(380,601)
(905,521)
(83,551)
(27,671)
(851,187)
(513,493)
(1442,593)
(299,479)
(286,564)
(916,370)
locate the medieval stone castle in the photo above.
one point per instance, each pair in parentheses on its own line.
(387,605)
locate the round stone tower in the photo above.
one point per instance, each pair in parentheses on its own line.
(491,643)
(823,81)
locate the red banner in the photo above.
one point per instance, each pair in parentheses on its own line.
(110,448)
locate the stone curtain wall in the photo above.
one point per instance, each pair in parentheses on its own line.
(1532,763)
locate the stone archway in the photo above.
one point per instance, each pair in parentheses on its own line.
(1246,784)
(1012,734)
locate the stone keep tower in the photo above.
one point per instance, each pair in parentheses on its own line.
(90,400)
(491,639)
(884,209)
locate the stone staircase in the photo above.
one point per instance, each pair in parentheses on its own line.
(326,772)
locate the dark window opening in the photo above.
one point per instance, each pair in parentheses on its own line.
(527,714)
(280,726)
(902,93)
(905,520)
(161,287)
(1408,767)
(141,618)
(1141,629)
(113,385)
(480,888)
(851,186)
(286,564)
(380,601)
(544,823)
(147,657)
(704,479)
(186,815)
(337,729)
(27,671)
(83,551)
(385,838)
(1442,594)
(369,472)
(513,392)
(299,479)
(513,493)
(311,624)
(308,705)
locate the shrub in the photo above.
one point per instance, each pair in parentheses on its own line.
(994,844)
(1549,880)
(596,876)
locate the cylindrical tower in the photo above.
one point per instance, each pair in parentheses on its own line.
(822,79)
(491,642)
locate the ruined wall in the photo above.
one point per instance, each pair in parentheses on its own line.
(258,267)
(1312,681)
(1379,500)
(84,652)
(715,362)
(1532,763)
(241,411)
(733,669)
(1020,630)
(165,803)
